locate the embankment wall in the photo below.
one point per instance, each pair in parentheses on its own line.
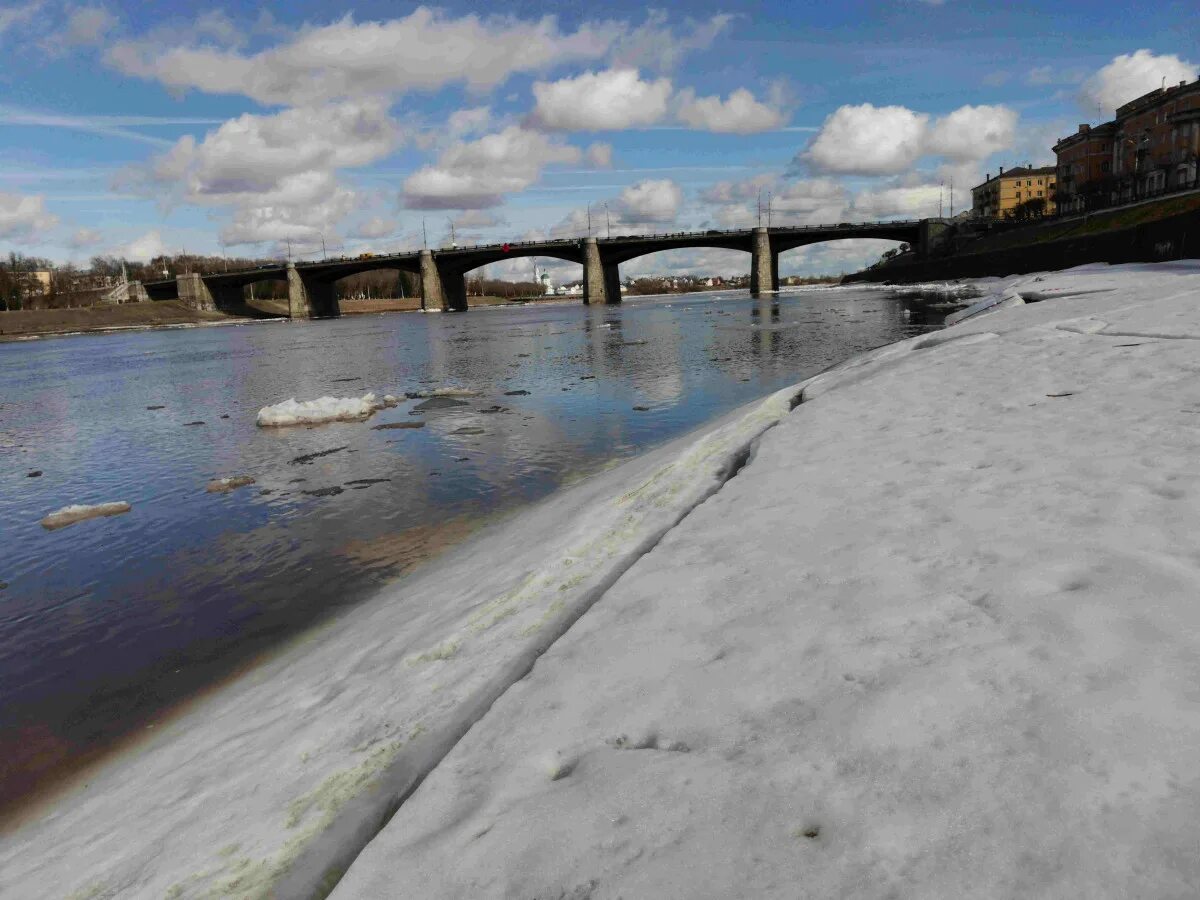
(1175,237)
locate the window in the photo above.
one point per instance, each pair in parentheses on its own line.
(1028,183)
(1039,181)
(1039,193)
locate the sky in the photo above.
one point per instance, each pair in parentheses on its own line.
(257,130)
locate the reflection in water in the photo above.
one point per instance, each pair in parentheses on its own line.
(105,624)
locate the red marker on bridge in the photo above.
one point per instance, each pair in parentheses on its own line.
(505,248)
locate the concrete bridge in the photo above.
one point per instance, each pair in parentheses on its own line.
(443,272)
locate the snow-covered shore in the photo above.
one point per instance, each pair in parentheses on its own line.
(931,633)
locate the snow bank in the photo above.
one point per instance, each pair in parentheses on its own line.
(937,639)
(294,766)
(69,515)
(323,409)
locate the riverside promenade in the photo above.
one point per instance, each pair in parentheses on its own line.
(924,625)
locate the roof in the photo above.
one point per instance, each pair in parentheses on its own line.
(1020,172)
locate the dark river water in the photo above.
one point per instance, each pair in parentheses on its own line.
(106,624)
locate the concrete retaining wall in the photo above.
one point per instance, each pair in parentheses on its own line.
(1177,237)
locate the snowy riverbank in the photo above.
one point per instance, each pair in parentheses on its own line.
(930,633)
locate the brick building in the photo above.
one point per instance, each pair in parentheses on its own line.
(1000,196)
(1151,146)
(1085,166)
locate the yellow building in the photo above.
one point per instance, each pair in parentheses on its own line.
(1001,195)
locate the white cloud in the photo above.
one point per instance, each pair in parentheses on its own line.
(291,217)
(741,113)
(972,133)
(477,218)
(144,248)
(279,172)
(909,202)
(642,208)
(868,140)
(85,237)
(252,156)
(87,26)
(477,174)
(650,201)
(599,155)
(1131,75)
(18,15)
(600,101)
(377,227)
(813,201)
(654,45)
(467,122)
(425,50)
(24,218)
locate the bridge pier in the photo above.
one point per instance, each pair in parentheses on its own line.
(442,287)
(195,293)
(309,298)
(764,264)
(601,280)
(933,234)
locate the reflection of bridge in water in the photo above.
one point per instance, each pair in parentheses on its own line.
(443,282)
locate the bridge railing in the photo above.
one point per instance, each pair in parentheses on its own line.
(731,232)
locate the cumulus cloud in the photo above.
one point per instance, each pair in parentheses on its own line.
(741,113)
(85,237)
(376,227)
(24,218)
(467,122)
(642,208)
(144,248)
(652,200)
(87,26)
(253,157)
(972,133)
(599,156)
(1131,75)
(813,201)
(909,202)
(868,140)
(349,58)
(476,174)
(600,101)
(279,172)
(655,45)
(477,218)
(18,15)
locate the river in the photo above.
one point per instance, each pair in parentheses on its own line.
(107,624)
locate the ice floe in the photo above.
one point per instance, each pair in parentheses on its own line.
(323,409)
(225,485)
(69,515)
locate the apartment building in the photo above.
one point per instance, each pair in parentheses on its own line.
(1003,195)
(1151,146)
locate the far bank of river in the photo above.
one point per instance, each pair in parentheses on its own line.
(25,323)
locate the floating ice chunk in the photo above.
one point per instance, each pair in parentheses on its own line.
(69,515)
(225,485)
(323,409)
(441,392)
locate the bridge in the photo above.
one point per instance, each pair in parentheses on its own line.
(443,272)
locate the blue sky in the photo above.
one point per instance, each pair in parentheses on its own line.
(141,128)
